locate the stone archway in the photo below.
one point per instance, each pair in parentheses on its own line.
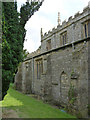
(64,87)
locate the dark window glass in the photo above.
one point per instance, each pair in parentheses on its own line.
(85,27)
(63,39)
(41,67)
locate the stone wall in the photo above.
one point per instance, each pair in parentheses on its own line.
(70,67)
(23,78)
(18,78)
(65,67)
(89,77)
(61,68)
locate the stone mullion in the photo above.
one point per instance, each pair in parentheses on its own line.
(88,27)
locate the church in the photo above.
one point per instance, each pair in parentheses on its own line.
(59,71)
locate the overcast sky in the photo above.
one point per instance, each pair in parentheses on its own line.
(46,18)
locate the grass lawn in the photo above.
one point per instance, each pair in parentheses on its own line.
(29,107)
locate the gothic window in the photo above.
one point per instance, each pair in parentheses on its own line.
(64,87)
(86,28)
(48,46)
(63,39)
(39,64)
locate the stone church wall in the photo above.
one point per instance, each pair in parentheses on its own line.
(70,67)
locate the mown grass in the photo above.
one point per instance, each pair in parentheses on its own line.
(29,107)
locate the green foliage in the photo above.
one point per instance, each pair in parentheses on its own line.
(11,19)
(72,94)
(26,11)
(13,37)
(6,59)
(72,97)
(88,109)
(12,86)
(72,73)
(25,53)
(28,107)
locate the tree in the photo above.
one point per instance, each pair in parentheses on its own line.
(13,38)
(25,54)
(6,59)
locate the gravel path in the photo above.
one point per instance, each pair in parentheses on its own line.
(9,113)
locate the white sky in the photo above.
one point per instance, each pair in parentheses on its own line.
(46,18)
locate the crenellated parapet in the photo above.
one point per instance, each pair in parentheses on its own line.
(35,53)
(72,19)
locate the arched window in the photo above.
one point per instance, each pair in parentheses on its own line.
(48,45)
(39,66)
(86,28)
(64,87)
(63,38)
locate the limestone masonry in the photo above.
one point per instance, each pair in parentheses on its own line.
(59,71)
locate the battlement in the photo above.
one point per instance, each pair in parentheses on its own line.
(77,16)
(31,55)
